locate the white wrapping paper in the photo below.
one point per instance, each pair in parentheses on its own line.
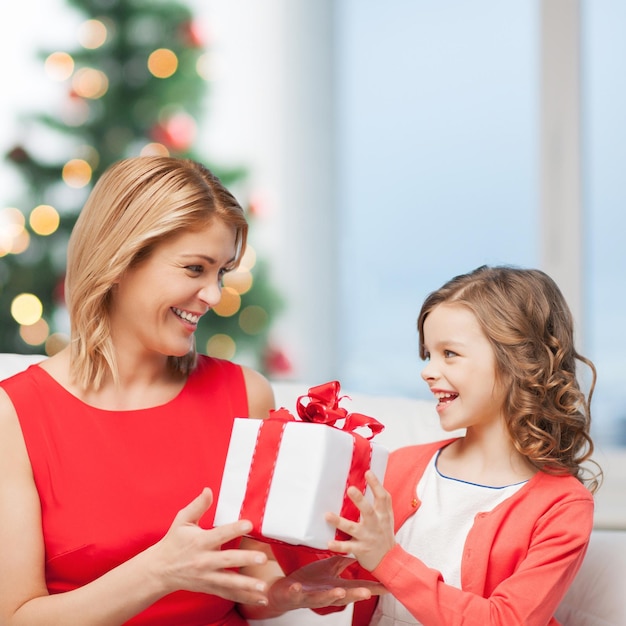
(310,477)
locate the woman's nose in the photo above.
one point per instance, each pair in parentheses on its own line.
(211,294)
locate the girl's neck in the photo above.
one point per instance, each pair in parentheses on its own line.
(483,460)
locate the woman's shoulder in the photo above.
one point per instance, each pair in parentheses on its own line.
(11,438)
(20,381)
(236,379)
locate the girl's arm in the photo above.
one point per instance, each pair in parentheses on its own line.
(529,595)
(188,557)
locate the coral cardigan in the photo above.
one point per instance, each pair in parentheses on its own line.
(518,562)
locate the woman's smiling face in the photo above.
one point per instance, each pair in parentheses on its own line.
(156,304)
(461,368)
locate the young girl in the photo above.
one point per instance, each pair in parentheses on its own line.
(492,527)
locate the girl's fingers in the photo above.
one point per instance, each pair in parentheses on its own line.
(381,495)
(341,523)
(342,547)
(375,485)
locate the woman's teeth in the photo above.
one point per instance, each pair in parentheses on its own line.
(188,317)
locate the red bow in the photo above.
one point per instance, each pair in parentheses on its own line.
(323,408)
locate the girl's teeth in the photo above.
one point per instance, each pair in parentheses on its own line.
(442,397)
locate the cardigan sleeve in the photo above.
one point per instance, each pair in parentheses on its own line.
(511,575)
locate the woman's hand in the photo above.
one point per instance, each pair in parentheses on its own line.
(373,535)
(319,585)
(189,557)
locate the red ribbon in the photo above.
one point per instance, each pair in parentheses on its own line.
(322,408)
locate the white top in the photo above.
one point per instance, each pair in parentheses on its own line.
(437,532)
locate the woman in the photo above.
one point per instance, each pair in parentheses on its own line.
(111,451)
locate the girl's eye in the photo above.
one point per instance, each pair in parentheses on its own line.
(426,356)
(448,354)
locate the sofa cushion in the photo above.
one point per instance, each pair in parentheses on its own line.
(597,596)
(13,363)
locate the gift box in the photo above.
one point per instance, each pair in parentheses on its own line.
(284,474)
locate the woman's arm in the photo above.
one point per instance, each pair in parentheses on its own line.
(260,393)
(188,557)
(317,585)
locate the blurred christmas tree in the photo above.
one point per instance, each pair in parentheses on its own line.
(135,85)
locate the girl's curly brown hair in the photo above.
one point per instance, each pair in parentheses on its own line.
(530,327)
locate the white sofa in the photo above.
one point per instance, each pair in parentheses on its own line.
(597,596)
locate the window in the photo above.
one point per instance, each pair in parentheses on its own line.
(437,165)
(604,184)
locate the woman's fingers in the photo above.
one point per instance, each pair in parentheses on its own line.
(191,557)
(192,513)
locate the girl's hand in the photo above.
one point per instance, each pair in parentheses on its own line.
(373,535)
(318,585)
(189,557)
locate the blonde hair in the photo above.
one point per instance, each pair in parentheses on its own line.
(135,205)
(530,327)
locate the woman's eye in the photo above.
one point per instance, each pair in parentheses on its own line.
(196,269)
(221,274)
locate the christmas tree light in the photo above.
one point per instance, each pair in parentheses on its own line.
(135,84)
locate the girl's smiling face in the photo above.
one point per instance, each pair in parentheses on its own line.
(461,369)
(156,305)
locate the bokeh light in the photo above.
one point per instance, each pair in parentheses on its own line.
(35,334)
(90,154)
(59,66)
(221,346)
(204,67)
(44,220)
(240,281)
(162,63)
(248,260)
(154,149)
(229,304)
(26,309)
(177,130)
(77,173)
(20,242)
(75,111)
(90,83)
(55,343)
(92,34)
(12,222)
(253,319)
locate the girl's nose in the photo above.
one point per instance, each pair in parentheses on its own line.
(428,371)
